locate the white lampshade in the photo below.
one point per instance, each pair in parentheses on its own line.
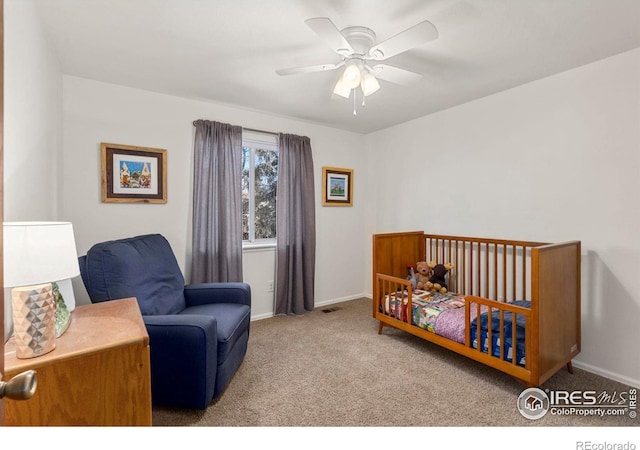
(369,84)
(351,76)
(39,252)
(342,89)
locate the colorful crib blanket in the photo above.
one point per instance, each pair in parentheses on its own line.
(443,314)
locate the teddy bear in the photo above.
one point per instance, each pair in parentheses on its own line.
(423,272)
(437,281)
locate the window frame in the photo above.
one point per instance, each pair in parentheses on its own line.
(253,141)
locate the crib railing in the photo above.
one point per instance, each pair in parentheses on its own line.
(395,297)
(473,302)
(394,307)
(489,268)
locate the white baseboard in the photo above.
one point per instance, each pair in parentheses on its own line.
(317,305)
(262,316)
(607,374)
(340,300)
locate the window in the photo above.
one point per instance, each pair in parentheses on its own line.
(259,185)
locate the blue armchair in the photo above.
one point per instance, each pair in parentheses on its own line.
(198,334)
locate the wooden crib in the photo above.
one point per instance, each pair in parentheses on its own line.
(490,274)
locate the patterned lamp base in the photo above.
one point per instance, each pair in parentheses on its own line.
(34,320)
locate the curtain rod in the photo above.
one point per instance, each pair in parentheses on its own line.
(260,131)
(251,129)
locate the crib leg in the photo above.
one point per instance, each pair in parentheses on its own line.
(570,367)
(380,325)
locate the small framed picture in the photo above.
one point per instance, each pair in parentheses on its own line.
(337,186)
(132,174)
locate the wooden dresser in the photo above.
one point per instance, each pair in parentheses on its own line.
(99,374)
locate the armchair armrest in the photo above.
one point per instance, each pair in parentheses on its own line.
(205,293)
(184,357)
(181,322)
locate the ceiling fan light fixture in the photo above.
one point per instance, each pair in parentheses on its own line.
(369,84)
(342,89)
(352,76)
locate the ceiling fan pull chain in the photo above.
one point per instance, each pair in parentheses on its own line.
(354,102)
(363,97)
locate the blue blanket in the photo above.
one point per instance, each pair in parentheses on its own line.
(508,333)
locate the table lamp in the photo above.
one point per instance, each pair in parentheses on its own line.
(37,254)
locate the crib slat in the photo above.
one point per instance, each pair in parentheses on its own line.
(464,267)
(478,329)
(504,272)
(457,270)
(486,270)
(514,250)
(495,271)
(524,272)
(467,324)
(393,301)
(471,268)
(479,271)
(409,313)
(449,250)
(514,343)
(502,334)
(489,331)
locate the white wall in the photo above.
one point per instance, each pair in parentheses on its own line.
(32,116)
(553,160)
(96,112)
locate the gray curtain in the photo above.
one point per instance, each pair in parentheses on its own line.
(217,203)
(296,226)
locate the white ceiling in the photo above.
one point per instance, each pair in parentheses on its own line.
(228,50)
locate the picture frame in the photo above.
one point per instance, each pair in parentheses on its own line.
(337,186)
(133,174)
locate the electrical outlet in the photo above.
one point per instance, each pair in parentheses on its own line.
(270,286)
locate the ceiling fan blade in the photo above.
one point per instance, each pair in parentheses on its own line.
(394,74)
(405,40)
(326,29)
(309,69)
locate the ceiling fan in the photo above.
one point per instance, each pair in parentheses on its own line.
(363,58)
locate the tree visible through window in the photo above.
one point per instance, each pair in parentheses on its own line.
(259,184)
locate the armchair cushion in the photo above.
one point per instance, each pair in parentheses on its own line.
(237,318)
(143,267)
